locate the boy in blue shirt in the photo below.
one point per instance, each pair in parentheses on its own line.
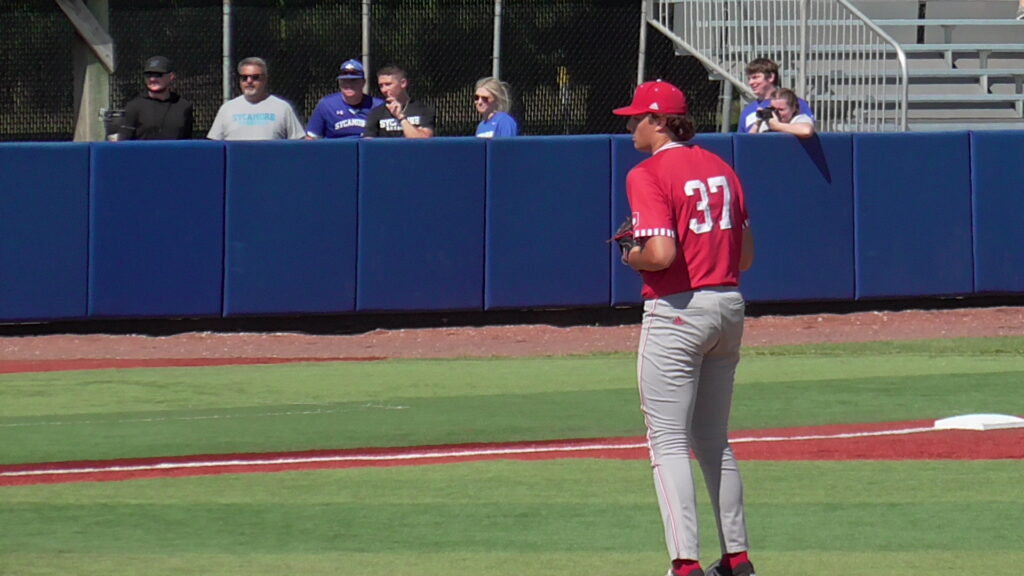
(763,79)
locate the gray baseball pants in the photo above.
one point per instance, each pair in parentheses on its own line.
(689,350)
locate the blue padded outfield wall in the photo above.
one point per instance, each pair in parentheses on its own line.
(912,200)
(156,229)
(421,225)
(44,224)
(213,229)
(300,207)
(997,195)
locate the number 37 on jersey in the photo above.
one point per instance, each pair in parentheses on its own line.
(714,192)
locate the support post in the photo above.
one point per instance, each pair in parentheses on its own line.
(645,10)
(92,61)
(726,106)
(366,46)
(496,55)
(227,67)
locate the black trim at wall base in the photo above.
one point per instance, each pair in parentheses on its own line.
(365,322)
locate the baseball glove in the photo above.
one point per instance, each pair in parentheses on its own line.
(624,238)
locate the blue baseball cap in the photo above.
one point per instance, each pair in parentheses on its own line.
(352,70)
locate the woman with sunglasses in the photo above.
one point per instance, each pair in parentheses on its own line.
(492,102)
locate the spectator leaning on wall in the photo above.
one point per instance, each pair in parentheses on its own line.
(400,116)
(256,114)
(492,102)
(159,113)
(343,114)
(784,116)
(763,79)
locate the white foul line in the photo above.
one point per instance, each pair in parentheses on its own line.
(407,456)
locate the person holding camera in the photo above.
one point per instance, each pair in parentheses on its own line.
(784,116)
(763,79)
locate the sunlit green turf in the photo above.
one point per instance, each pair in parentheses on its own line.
(545,518)
(556,518)
(173,411)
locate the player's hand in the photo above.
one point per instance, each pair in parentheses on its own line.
(624,238)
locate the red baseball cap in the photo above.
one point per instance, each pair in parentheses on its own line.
(655,97)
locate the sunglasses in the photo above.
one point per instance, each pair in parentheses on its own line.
(155,74)
(479,98)
(248,77)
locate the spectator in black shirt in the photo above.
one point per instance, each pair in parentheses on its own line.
(400,116)
(158,113)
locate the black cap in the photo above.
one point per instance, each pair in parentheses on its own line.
(159,64)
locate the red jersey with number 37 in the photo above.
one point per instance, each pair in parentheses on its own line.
(692,195)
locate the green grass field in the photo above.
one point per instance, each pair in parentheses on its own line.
(563,517)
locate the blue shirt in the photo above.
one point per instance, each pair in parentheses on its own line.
(335,118)
(745,116)
(498,126)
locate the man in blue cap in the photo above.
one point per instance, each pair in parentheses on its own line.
(343,114)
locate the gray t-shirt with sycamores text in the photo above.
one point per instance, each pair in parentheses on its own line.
(269,119)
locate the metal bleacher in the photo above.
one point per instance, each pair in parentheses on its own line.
(868,65)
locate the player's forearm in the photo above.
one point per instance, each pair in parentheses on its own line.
(656,253)
(747,250)
(800,130)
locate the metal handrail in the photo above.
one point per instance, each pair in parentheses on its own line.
(816,42)
(901,58)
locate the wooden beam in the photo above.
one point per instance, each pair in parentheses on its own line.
(94,34)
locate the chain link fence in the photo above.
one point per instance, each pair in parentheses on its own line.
(569,62)
(36,72)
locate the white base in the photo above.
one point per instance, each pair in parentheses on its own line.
(979,422)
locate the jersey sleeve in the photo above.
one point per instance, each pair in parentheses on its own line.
(429,118)
(651,208)
(506,127)
(805,108)
(295,130)
(802,119)
(217,128)
(317,123)
(372,123)
(129,122)
(739,207)
(744,125)
(190,119)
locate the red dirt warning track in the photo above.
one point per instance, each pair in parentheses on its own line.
(882,441)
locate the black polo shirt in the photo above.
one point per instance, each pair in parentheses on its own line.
(380,122)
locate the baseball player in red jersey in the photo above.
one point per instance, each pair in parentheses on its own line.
(690,240)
